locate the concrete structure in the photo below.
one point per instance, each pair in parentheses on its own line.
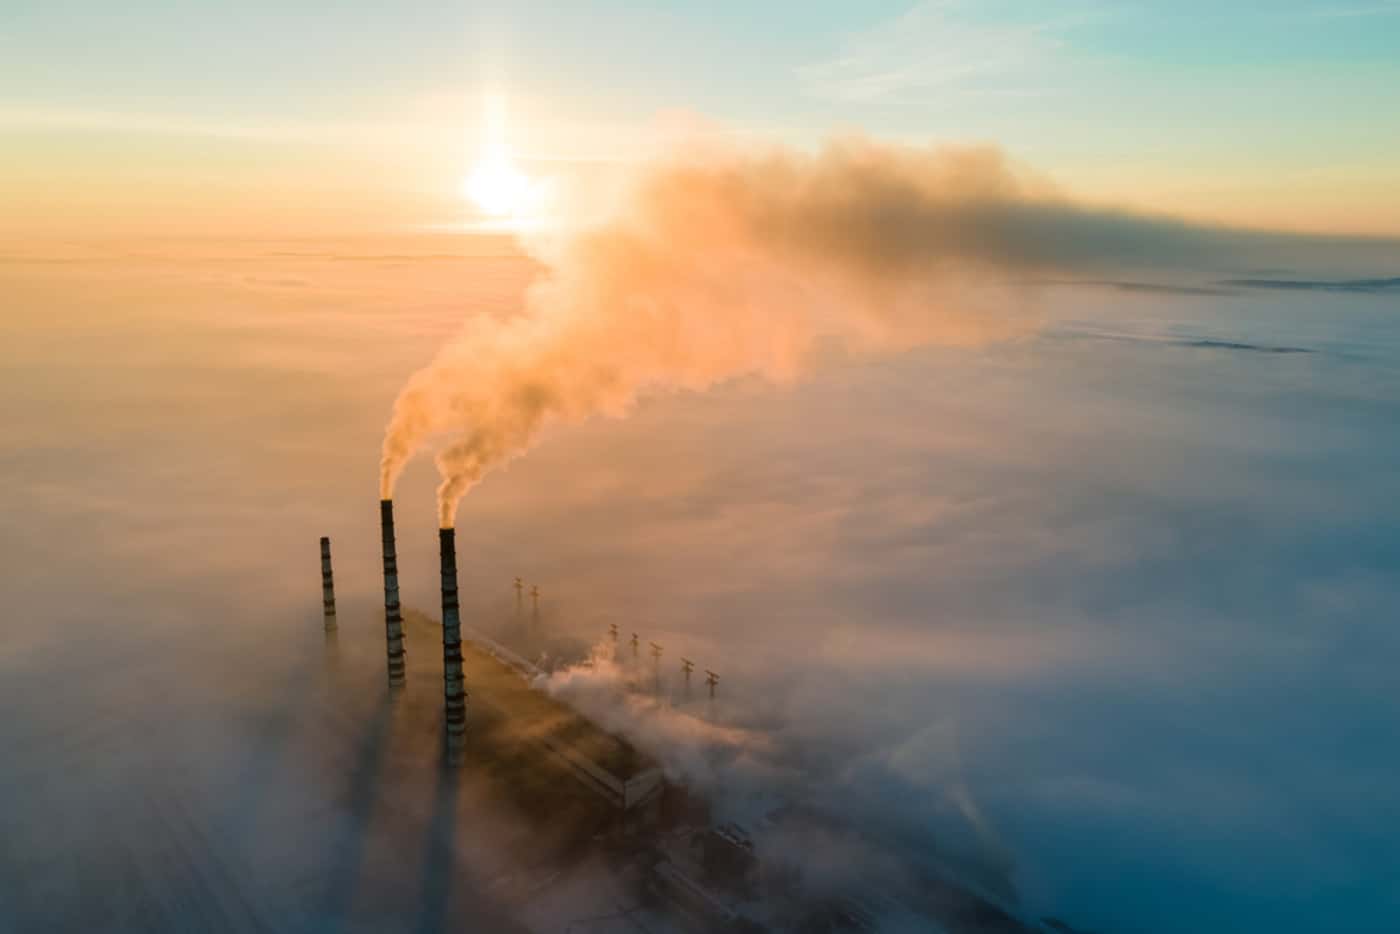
(454,695)
(327,584)
(727,855)
(393,620)
(504,688)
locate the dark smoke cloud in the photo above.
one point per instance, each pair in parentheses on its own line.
(720,264)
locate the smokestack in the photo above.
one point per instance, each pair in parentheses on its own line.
(327,584)
(393,620)
(454,696)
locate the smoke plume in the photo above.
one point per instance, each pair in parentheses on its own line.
(729,264)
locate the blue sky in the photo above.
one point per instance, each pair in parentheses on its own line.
(723,56)
(1268,114)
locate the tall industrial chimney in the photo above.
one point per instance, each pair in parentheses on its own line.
(453,691)
(393,620)
(327,583)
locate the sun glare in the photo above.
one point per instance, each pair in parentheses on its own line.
(504,197)
(498,189)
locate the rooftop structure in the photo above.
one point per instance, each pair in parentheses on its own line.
(501,680)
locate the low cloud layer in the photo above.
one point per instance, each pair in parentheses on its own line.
(1097,598)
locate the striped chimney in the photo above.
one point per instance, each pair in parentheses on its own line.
(393,620)
(327,583)
(453,691)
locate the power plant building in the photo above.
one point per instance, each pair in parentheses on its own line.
(499,681)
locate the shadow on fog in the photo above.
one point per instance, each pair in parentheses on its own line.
(439,853)
(364,792)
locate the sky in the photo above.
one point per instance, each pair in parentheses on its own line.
(264,117)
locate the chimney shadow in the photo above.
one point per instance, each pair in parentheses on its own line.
(362,793)
(439,852)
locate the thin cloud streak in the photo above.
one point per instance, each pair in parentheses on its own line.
(936,45)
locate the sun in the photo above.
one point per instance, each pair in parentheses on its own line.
(503,196)
(498,189)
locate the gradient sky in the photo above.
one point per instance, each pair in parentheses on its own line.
(266,116)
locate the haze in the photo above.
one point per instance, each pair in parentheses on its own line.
(1002,399)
